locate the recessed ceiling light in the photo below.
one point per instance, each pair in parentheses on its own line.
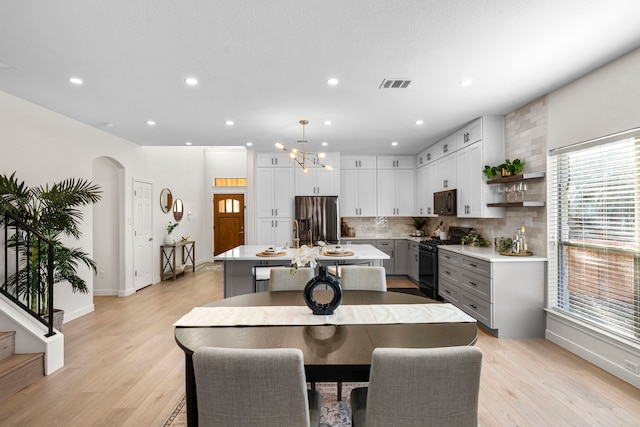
(325,143)
(419,122)
(249,144)
(191,81)
(394,144)
(327,122)
(188,143)
(465,82)
(76,80)
(229,123)
(332,81)
(151,122)
(109,125)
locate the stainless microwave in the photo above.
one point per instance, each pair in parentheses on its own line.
(445,202)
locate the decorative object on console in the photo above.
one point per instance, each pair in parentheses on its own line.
(302,156)
(168,238)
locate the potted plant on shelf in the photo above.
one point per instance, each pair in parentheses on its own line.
(52,210)
(508,168)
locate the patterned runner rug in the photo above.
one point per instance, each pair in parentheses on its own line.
(334,413)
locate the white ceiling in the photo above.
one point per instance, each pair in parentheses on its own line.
(264,64)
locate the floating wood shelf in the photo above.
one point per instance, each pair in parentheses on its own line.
(515,204)
(514,178)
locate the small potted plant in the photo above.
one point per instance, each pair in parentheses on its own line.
(168,239)
(509,168)
(418,224)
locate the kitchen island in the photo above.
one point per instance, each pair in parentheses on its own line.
(239,263)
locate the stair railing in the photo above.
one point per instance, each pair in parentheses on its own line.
(28,270)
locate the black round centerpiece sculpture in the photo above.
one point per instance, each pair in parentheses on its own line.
(326,280)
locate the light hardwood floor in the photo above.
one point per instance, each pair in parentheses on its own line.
(123,368)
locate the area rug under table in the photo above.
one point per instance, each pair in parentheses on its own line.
(334,413)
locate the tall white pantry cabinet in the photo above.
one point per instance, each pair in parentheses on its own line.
(274,197)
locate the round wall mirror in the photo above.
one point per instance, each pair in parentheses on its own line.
(178,210)
(166,200)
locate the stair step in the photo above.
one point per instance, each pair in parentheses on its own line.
(19,371)
(7,344)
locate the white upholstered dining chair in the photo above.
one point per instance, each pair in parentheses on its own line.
(365,278)
(251,387)
(425,387)
(281,279)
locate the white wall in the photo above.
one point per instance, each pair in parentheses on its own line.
(601,103)
(45,147)
(180,169)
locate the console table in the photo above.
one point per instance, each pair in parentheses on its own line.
(168,266)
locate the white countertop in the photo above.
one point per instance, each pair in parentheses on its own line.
(488,254)
(248,253)
(389,237)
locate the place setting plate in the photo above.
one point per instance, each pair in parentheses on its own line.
(271,252)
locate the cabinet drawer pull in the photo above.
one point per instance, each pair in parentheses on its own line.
(447,273)
(473,284)
(447,291)
(473,265)
(473,306)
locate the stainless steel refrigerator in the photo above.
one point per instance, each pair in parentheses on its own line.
(318,218)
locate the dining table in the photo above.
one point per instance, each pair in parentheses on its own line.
(332,351)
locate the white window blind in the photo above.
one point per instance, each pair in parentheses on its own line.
(593,224)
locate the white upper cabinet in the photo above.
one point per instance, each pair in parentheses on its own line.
(274,191)
(358,193)
(277,159)
(445,173)
(319,181)
(349,161)
(396,193)
(396,162)
(473,193)
(469,134)
(424,192)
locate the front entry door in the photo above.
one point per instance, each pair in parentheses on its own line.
(228,222)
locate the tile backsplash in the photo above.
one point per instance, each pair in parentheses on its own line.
(381,227)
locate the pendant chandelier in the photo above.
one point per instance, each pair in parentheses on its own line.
(303,157)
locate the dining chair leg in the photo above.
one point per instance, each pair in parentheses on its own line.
(339,385)
(313,386)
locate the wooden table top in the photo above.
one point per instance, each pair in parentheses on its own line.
(324,346)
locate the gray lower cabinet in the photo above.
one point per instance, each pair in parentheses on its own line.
(388,247)
(400,253)
(413,260)
(506,297)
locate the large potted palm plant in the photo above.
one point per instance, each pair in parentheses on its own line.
(53,211)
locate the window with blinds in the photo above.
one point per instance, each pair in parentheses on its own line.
(593,217)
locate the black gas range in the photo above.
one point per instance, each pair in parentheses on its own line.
(428,270)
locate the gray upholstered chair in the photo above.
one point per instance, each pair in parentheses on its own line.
(420,388)
(363,278)
(366,278)
(251,387)
(281,279)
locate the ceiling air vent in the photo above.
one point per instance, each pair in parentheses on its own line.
(394,84)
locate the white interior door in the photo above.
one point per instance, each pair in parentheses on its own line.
(142,234)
